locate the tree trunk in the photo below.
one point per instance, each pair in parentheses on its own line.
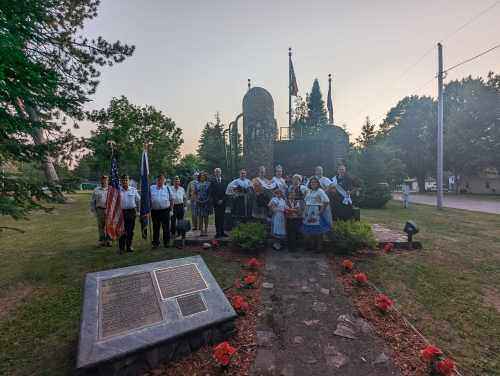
(421,183)
(39,139)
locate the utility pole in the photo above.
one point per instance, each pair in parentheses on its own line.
(439,174)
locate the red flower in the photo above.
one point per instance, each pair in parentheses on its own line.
(446,367)
(223,353)
(388,247)
(239,304)
(383,303)
(430,353)
(361,278)
(249,280)
(347,264)
(215,243)
(253,263)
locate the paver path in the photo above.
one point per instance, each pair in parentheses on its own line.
(455,202)
(306,325)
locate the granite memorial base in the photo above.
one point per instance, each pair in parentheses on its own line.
(134,318)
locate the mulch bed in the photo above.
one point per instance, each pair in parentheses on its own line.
(201,362)
(404,342)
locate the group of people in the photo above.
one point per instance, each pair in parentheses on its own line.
(294,206)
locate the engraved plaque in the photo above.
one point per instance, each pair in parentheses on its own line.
(180,280)
(191,304)
(126,303)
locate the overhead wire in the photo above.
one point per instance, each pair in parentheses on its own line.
(472,58)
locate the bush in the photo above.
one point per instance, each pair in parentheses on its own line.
(373,196)
(249,236)
(350,236)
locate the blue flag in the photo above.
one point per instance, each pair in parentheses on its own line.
(145,194)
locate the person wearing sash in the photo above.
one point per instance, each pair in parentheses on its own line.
(239,191)
(263,189)
(340,190)
(277,205)
(315,222)
(325,185)
(203,204)
(279,181)
(294,211)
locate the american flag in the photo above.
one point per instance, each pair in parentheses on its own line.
(294,88)
(114,215)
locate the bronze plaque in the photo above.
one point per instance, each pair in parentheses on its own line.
(191,304)
(127,303)
(179,280)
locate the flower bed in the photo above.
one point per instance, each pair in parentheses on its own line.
(207,361)
(388,324)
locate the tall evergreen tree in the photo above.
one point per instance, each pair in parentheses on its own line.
(316,112)
(212,146)
(368,134)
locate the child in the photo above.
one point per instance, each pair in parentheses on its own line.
(278,225)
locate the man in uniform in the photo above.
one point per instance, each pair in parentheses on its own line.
(217,193)
(98,206)
(130,200)
(161,203)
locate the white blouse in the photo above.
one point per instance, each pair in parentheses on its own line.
(317,197)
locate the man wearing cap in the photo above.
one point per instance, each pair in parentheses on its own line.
(98,206)
(130,200)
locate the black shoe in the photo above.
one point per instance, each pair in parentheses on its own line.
(130,250)
(154,246)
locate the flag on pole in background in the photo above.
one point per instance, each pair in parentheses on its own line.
(329,103)
(294,88)
(114,216)
(145,195)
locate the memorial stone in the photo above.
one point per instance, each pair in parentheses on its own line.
(135,317)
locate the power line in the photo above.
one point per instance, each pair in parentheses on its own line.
(472,58)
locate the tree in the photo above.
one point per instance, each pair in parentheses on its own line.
(368,134)
(299,122)
(130,127)
(471,126)
(212,146)
(187,166)
(410,128)
(316,111)
(47,71)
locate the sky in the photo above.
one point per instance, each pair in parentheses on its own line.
(193,58)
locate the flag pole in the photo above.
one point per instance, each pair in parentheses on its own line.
(330,109)
(111,144)
(150,232)
(289,87)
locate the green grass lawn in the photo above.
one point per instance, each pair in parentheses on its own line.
(41,284)
(449,289)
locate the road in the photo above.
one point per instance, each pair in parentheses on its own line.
(456,202)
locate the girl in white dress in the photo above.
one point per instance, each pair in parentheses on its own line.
(277,205)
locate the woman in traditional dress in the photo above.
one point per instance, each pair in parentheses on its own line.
(239,191)
(325,185)
(263,192)
(277,205)
(279,181)
(203,205)
(294,211)
(315,224)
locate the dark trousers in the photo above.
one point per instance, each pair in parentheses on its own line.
(220,211)
(161,218)
(178,215)
(293,232)
(129,224)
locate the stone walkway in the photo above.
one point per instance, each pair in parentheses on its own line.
(306,325)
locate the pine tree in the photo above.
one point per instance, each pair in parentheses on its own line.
(212,146)
(316,111)
(368,134)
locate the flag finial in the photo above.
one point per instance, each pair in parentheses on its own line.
(289,51)
(249,84)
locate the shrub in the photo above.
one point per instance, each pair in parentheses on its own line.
(373,195)
(350,236)
(249,236)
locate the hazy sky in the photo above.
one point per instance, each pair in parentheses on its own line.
(193,58)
